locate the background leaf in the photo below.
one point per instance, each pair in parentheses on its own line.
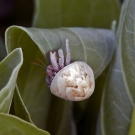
(132,126)
(20,109)
(69,13)
(13,125)
(116,108)
(48,112)
(128,50)
(9,69)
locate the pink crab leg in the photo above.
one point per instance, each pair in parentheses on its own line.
(49,70)
(53,58)
(61,58)
(68,58)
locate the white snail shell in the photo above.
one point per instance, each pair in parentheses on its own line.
(75,82)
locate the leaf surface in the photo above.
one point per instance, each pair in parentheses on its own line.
(116,108)
(132,126)
(94,46)
(11,125)
(9,69)
(128,50)
(69,13)
(20,109)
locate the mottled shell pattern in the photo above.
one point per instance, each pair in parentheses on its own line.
(75,82)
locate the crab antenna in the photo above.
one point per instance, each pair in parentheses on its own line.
(68,58)
(41,62)
(38,65)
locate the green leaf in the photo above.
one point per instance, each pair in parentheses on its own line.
(9,69)
(2,50)
(132,126)
(11,125)
(69,13)
(128,50)
(94,46)
(116,105)
(20,109)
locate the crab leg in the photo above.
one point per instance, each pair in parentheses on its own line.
(49,70)
(68,58)
(48,80)
(61,58)
(53,58)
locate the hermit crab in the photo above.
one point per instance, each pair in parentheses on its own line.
(74,82)
(70,81)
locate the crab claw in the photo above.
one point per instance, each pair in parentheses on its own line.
(61,58)
(53,58)
(68,57)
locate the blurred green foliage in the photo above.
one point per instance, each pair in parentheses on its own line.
(33,101)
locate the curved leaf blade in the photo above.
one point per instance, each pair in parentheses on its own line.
(68,13)
(20,109)
(132,126)
(128,50)
(13,125)
(86,41)
(36,43)
(9,69)
(34,101)
(116,108)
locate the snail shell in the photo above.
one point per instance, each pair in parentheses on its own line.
(75,82)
